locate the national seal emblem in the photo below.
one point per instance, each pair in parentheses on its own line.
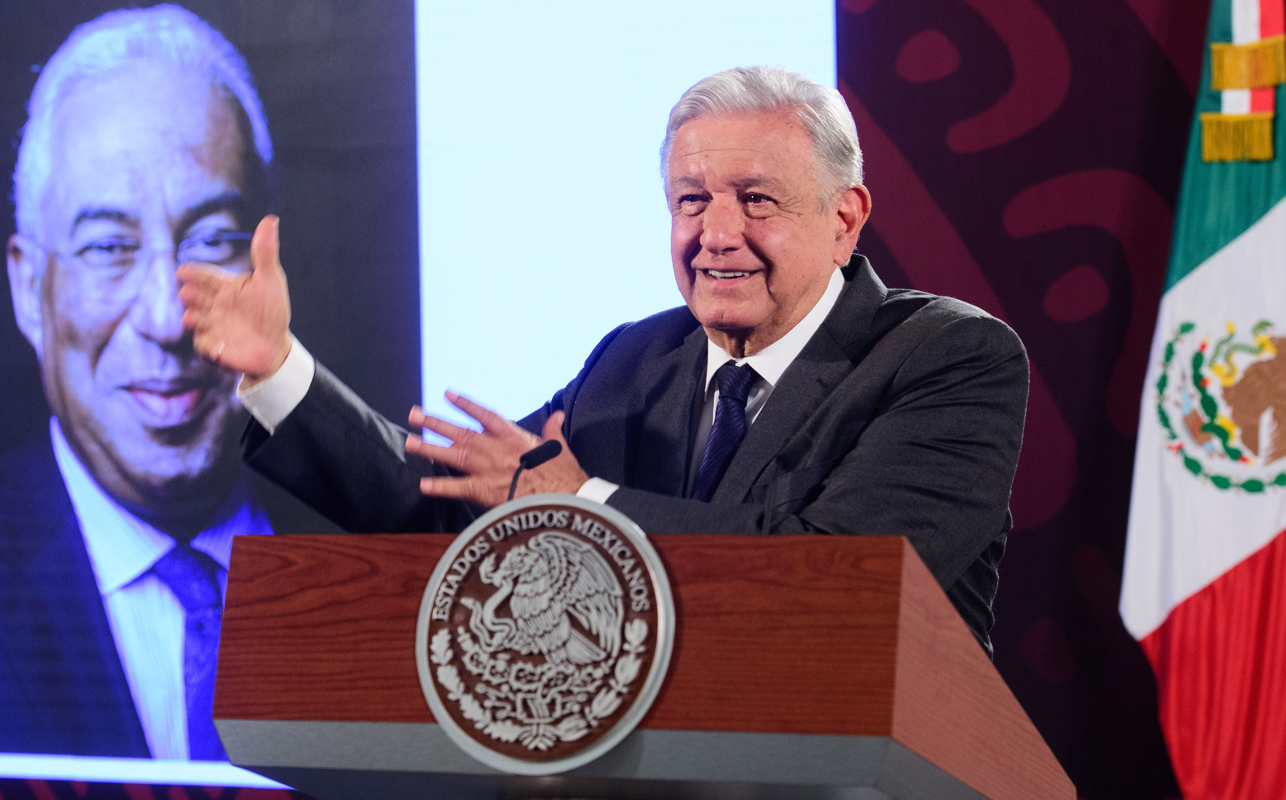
(544,634)
(1217,398)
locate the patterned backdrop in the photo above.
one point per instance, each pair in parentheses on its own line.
(1024,155)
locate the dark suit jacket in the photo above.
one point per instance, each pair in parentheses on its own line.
(902,415)
(62,687)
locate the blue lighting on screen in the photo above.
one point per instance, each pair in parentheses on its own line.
(542,221)
(130,770)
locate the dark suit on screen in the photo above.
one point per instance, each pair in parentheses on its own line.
(902,415)
(62,686)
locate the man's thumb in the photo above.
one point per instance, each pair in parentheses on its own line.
(265,247)
(554,427)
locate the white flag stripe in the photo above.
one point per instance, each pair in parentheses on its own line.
(1183,531)
(1235,101)
(1245,21)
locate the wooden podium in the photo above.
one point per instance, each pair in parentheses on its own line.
(803,666)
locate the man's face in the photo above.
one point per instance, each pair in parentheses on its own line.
(753,249)
(144,158)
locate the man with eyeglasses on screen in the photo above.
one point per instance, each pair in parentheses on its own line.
(146,147)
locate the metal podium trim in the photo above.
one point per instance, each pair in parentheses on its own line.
(338,760)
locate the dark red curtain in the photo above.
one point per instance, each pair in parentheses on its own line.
(1024,155)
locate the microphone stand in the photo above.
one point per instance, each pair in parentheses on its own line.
(534,458)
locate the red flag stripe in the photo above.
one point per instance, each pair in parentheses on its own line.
(1220,662)
(1263,99)
(1272,20)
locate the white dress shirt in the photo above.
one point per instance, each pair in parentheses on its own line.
(146,619)
(271,400)
(769,364)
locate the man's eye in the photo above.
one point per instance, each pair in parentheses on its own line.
(758,206)
(109,251)
(690,203)
(220,247)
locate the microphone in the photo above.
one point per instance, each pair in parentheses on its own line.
(534,458)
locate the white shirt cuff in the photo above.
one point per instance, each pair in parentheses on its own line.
(596,489)
(270,401)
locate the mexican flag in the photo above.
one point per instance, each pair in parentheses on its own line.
(1204,588)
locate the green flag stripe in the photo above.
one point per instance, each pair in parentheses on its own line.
(1217,201)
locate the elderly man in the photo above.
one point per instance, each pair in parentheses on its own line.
(146,146)
(792,393)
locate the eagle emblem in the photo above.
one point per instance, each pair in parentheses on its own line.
(1221,400)
(545,633)
(547,582)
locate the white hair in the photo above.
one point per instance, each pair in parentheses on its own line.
(165,33)
(763,89)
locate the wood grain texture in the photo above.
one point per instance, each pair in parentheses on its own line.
(789,634)
(781,635)
(323,628)
(963,717)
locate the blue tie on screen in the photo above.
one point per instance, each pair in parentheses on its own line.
(194,578)
(728,430)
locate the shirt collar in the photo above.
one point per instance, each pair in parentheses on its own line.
(773,360)
(123,547)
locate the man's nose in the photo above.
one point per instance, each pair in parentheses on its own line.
(722,225)
(157,312)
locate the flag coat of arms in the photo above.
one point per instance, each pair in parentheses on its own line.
(1204,585)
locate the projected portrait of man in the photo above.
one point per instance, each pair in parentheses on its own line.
(145,147)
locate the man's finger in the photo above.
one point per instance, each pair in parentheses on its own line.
(198,285)
(444,454)
(202,318)
(443,428)
(194,320)
(196,299)
(466,488)
(454,457)
(190,273)
(491,421)
(209,346)
(416,418)
(202,277)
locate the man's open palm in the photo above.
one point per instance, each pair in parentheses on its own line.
(240,322)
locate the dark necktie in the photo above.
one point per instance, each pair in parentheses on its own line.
(194,578)
(728,429)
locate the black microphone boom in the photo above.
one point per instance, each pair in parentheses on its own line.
(534,458)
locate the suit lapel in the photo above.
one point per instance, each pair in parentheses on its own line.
(806,383)
(666,435)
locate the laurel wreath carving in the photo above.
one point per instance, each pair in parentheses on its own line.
(536,705)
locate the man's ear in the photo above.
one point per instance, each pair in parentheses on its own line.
(851,212)
(26,271)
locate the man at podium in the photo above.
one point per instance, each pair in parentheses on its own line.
(793,393)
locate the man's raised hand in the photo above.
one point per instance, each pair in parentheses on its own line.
(241,322)
(488,458)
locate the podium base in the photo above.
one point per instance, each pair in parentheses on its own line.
(342,760)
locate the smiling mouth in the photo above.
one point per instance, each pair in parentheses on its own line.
(726,275)
(166,405)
